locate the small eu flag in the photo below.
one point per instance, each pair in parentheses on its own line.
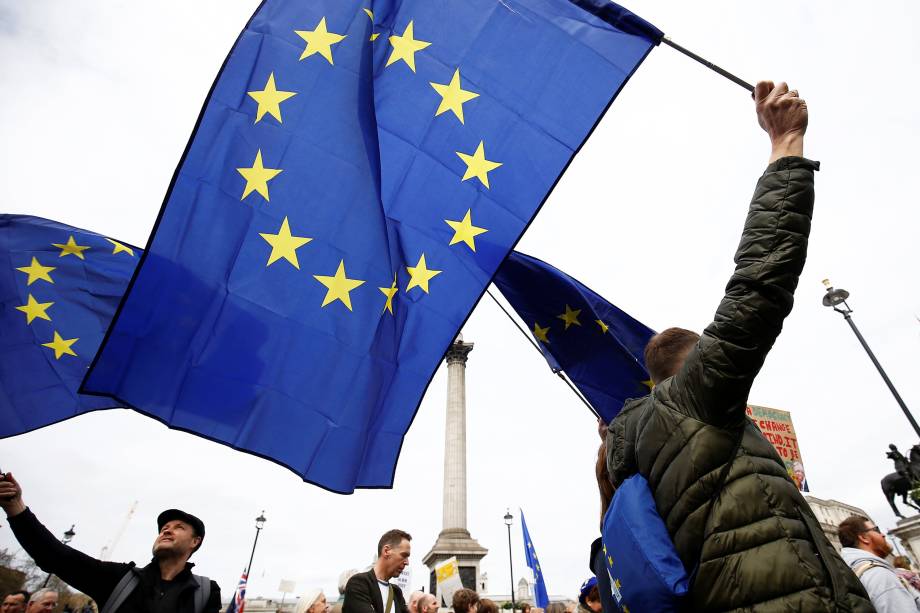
(358,173)
(540,596)
(59,289)
(598,346)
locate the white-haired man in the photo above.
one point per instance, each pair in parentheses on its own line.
(43,601)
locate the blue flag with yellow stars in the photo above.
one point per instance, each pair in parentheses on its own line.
(541,598)
(59,289)
(358,172)
(598,346)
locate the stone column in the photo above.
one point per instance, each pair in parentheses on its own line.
(454,539)
(454,517)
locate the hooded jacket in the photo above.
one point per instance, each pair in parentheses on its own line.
(887,592)
(758,546)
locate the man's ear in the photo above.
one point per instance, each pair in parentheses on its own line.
(196,543)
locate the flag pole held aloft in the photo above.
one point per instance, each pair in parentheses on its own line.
(624,20)
(708,64)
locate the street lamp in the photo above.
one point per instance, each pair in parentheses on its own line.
(260,523)
(68,536)
(836,297)
(508,520)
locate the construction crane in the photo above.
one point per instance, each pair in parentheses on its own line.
(106,552)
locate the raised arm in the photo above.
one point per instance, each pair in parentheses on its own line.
(87,574)
(715,380)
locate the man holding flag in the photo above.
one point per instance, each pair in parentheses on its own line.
(165,585)
(754,544)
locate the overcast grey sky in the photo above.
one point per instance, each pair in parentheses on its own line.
(99,99)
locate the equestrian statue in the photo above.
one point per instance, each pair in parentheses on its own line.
(905,478)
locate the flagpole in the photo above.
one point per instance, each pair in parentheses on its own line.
(559,373)
(708,64)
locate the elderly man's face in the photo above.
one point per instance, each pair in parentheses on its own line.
(14,603)
(47,603)
(428,604)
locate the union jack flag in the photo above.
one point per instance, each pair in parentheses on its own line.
(239,596)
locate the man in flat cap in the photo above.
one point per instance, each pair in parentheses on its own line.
(165,585)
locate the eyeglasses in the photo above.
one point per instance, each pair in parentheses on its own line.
(873,529)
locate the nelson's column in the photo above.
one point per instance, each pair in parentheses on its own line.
(455,539)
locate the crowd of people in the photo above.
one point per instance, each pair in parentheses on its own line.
(738,524)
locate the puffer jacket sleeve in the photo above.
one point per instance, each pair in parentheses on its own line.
(714,383)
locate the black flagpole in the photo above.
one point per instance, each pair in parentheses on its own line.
(708,64)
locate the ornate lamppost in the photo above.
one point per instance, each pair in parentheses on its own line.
(835,297)
(260,523)
(68,536)
(508,520)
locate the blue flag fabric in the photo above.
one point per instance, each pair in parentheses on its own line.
(357,174)
(530,554)
(59,288)
(598,346)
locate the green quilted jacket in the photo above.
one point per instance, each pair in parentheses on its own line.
(758,545)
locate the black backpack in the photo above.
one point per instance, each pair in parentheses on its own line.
(129,582)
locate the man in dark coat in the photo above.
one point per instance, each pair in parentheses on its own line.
(371,591)
(166,585)
(757,546)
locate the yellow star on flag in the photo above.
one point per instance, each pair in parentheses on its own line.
(270,99)
(338,286)
(257,177)
(319,40)
(570,317)
(453,96)
(541,333)
(284,244)
(36,271)
(61,346)
(70,248)
(477,165)
(119,248)
(649,384)
(32,308)
(374,35)
(604,327)
(616,582)
(405,47)
(465,231)
(389,292)
(420,275)
(610,560)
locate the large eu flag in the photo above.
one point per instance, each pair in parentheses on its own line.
(359,171)
(599,346)
(541,598)
(59,287)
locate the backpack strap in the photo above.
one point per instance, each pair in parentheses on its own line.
(862,568)
(202,594)
(122,590)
